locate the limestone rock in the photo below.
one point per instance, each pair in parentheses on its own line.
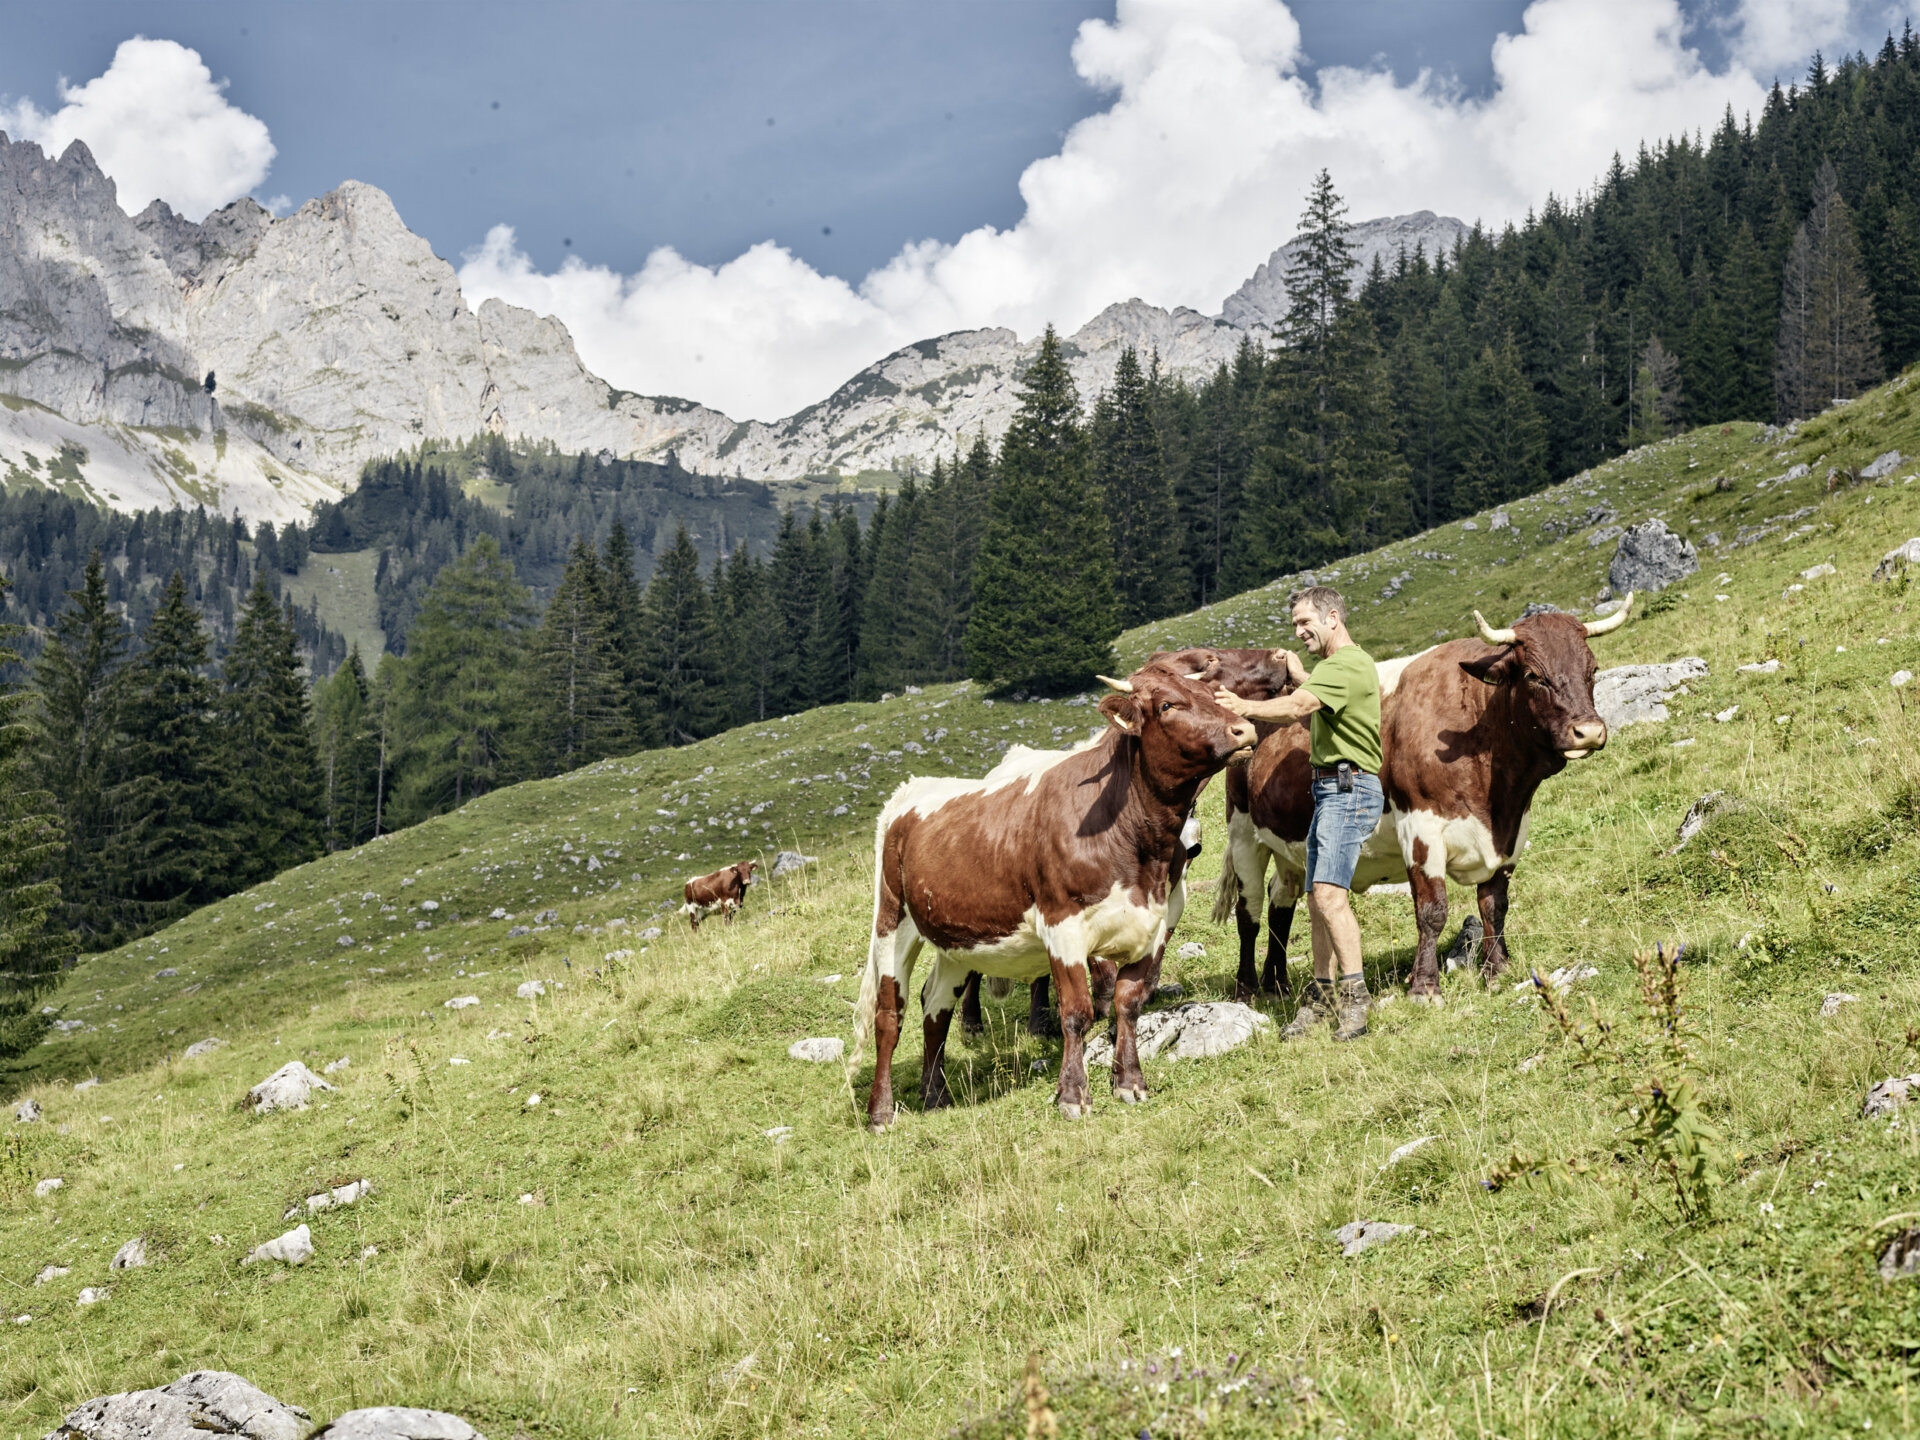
(1830,1006)
(1411,1147)
(530,989)
(1882,465)
(1816,572)
(396,1422)
(130,1256)
(1888,1095)
(1637,694)
(1195,1031)
(1651,557)
(1900,679)
(819,1050)
(204,1047)
(1362,1235)
(293,1248)
(1898,559)
(1699,813)
(1760,667)
(1193,950)
(348,1194)
(47,1187)
(460,1002)
(194,1407)
(50,1273)
(334,1067)
(788,861)
(27,1112)
(1263,299)
(1901,1258)
(92,1295)
(288,1088)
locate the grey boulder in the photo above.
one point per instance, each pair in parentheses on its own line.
(26,1112)
(1195,1031)
(288,1088)
(130,1256)
(1363,1235)
(293,1248)
(819,1050)
(1638,694)
(1889,1095)
(205,1403)
(1651,557)
(397,1422)
(1898,559)
(1884,465)
(1698,814)
(788,861)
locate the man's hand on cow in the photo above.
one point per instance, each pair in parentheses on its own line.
(1296,672)
(1232,701)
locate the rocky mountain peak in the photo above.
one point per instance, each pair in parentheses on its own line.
(1262,300)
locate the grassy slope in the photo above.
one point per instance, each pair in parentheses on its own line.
(603,1263)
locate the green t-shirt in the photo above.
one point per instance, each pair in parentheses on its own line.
(1347,724)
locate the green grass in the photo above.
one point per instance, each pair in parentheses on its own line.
(897,1285)
(342,583)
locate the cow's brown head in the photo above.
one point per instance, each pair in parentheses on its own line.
(745,871)
(1184,733)
(1546,663)
(1250,674)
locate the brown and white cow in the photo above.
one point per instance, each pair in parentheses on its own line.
(1252,674)
(723,890)
(1469,731)
(1039,874)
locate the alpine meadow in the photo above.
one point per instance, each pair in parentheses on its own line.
(354,1038)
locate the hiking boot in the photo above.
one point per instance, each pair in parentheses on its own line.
(1351,1014)
(1316,1005)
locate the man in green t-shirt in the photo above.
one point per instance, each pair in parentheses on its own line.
(1341,700)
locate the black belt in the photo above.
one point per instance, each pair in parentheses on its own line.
(1332,772)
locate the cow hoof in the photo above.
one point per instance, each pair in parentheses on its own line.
(1130,1094)
(1242,995)
(1422,997)
(973,1030)
(1071,1111)
(880,1124)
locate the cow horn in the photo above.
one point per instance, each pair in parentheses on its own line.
(1613,621)
(1125,687)
(1491,635)
(1197,675)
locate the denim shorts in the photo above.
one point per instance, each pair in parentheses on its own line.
(1341,825)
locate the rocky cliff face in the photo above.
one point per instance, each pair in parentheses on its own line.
(1263,299)
(254,363)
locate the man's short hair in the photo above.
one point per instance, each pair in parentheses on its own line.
(1323,598)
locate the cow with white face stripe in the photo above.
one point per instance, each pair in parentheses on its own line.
(1471,731)
(1042,873)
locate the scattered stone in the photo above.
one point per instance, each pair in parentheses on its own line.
(517,931)
(429,905)
(1760,667)
(47,1187)
(1901,1258)
(1465,948)
(194,1407)
(334,1067)
(1469,524)
(51,1273)
(546,917)
(1540,607)
(397,1422)
(130,1256)
(779,1134)
(528,989)
(497,913)
(86,1084)
(1721,717)
(788,861)
(1407,1149)
(1889,1095)
(1193,950)
(1699,813)
(652,932)
(1651,557)
(344,942)
(1831,1005)
(1898,559)
(92,1295)
(1563,978)
(333,1199)
(1172,990)
(1530,1063)
(1817,571)
(819,1050)
(533,1099)
(293,1248)
(1193,1031)
(1362,1235)
(204,1047)
(1499,521)
(1603,535)
(288,1088)
(460,1002)
(1900,679)
(1883,465)
(498,1034)
(458,1060)
(166,974)
(1637,694)
(27,1112)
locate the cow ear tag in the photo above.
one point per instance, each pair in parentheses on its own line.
(1114,706)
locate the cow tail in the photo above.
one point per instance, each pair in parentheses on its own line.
(869,1002)
(1226,895)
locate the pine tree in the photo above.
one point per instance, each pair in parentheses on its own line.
(276,806)
(169,850)
(1656,395)
(1130,472)
(1751,298)
(886,658)
(750,621)
(32,939)
(1503,442)
(1896,290)
(345,737)
(940,569)
(1829,347)
(792,580)
(626,621)
(680,670)
(461,698)
(1043,602)
(578,669)
(81,682)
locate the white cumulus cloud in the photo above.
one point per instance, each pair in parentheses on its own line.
(159,124)
(1177,189)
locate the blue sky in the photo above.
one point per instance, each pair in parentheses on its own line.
(612,138)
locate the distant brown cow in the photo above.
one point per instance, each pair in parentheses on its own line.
(723,890)
(1042,872)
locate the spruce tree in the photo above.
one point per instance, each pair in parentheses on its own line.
(1829,347)
(887,661)
(1043,604)
(1503,442)
(792,580)
(578,671)
(170,847)
(680,669)
(750,619)
(276,807)
(32,939)
(81,678)
(1129,469)
(626,621)
(462,698)
(345,736)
